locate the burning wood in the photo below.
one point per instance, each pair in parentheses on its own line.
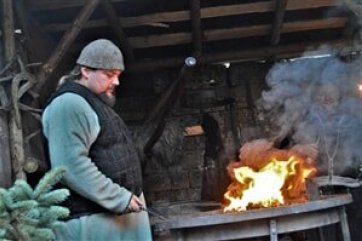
(266,176)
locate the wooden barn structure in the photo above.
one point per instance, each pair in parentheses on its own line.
(40,40)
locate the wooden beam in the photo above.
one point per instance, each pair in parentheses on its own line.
(8,29)
(5,160)
(154,124)
(15,140)
(9,53)
(116,25)
(66,42)
(252,54)
(35,36)
(44,5)
(240,32)
(328,23)
(196,27)
(280,8)
(160,40)
(209,12)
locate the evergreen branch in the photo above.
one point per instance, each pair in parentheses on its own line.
(21,232)
(2,233)
(53,214)
(48,181)
(2,205)
(29,221)
(17,194)
(45,234)
(56,224)
(6,198)
(54,197)
(24,205)
(33,213)
(4,216)
(30,215)
(8,235)
(15,234)
(3,222)
(25,188)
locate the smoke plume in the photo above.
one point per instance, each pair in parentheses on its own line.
(317,101)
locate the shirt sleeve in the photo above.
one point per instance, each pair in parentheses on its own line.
(71,126)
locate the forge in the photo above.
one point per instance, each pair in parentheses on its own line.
(272,192)
(217,225)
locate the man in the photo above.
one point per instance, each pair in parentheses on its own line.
(85,135)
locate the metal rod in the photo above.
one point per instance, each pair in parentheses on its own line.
(153,213)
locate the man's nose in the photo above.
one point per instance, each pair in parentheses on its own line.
(115,80)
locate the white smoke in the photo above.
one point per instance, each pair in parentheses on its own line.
(316,100)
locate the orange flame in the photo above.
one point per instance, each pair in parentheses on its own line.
(276,183)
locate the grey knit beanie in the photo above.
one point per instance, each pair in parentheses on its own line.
(101,54)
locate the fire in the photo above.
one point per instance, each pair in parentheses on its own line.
(277,183)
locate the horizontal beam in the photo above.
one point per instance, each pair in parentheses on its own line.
(232,33)
(42,5)
(209,12)
(251,54)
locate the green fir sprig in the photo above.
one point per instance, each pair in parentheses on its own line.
(28,214)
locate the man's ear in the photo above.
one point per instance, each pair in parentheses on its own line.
(85,72)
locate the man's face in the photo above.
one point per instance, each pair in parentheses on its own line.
(102,82)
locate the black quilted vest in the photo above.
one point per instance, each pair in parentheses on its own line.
(113,152)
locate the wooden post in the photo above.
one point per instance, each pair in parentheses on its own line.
(34,35)
(66,42)
(5,162)
(16,132)
(16,137)
(196,27)
(154,124)
(9,51)
(8,29)
(117,28)
(32,139)
(280,8)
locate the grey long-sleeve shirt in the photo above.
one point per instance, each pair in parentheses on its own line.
(71,127)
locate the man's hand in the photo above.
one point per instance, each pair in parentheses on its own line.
(135,205)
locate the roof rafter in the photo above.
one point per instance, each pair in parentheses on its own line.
(209,12)
(117,28)
(280,8)
(252,54)
(41,5)
(239,32)
(66,41)
(196,27)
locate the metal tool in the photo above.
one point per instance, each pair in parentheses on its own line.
(154,213)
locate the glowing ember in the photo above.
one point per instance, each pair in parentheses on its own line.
(277,183)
